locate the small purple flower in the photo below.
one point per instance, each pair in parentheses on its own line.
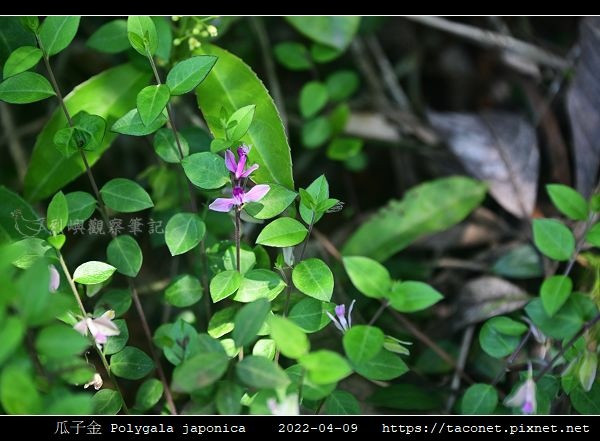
(101,327)
(239,168)
(524,397)
(54,278)
(340,321)
(240,197)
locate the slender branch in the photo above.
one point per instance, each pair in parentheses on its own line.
(14,143)
(493,39)
(462,359)
(310,228)
(105,217)
(84,313)
(378,313)
(510,360)
(238,234)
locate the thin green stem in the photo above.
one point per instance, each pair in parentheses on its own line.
(104,214)
(238,234)
(71,283)
(310,228)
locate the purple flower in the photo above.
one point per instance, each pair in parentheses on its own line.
(524,397)
(101,327)
(54,278)
(238,168)
(240,197)
(341,321)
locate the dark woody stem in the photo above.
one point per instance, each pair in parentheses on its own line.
(238,234)
(104,214)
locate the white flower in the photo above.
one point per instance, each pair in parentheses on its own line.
(289,406)
(524,397)
(101,327)
(96,382)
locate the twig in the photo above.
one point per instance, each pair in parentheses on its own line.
(14,143)
(493,39)
(510,360)
(460,363)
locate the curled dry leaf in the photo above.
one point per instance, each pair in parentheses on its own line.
(499,148)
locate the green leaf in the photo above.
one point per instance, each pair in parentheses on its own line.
(125,196)
(413,296)
(368,276)
(49,170)
(116,343)
(18,394)
(264,347)
(131,363)
(142,35)
(27,251)
(107,402)
(313,98)
(247,258)
(290,339)
(316,132)
(592,236)
(318,191)
(60,341)
(341,402)
(93,272)
(341,149)
(314,278)
(21,59)
(188,74)
(384,366)
(248,321)
(81,206)
(30,22)
(56,33)
(428,208)
(568,201)
(183,232)
(310,390)
(57,241)
(119,300)
(184,291)
(587,403)
(310,314)
(342,84)
(274,203)
(12,331)
(324,366)
(12,204)
(111,37)
(261,373)
(229,397)
(553,239)
(131,124)
(257,284)
(321,53)
(221,322)
(26,87)
(125,254)
(292,55)
(199,371)
(58,213)
(166,147)
(148,394)
(479,399)
(521,262)
(499,336)
(563,325)
(239,123)
(90,130)
(232,85)
(165,38)
(555,291)
(206,170)
(282,232)
(151,101)
(336,32)
(13,34)
(224,284)
(362,343)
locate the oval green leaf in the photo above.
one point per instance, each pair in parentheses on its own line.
(341,402)
(188,74)
(81,206)
(224,284)
(324,366)
(362,343)
(336,32)
(131,363)
(384,366)
(310,314)
(148,394)
(289,338)
(125,254)
(165,146)
(125,196)
(151,101)
(206,170)
(249,320)
(479,399)
(56,33)
(257,284)
(183,232)
(20,60)
(261,373)
(142,35)
(131,124)
(274,203)
(93,272)
(110,37)
(184,291)
(26,87)
(314,278)
(282,232)
(60,341)
(313,98)
(568,201)
(368,276)
(555,291)
(413,296)
(553,239)
(107,402)
(58,213)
